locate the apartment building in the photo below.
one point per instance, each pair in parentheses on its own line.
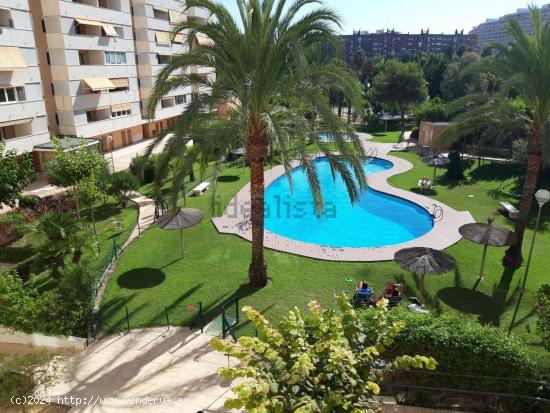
(494,30)
(23,121)
(396,44)
(86,68)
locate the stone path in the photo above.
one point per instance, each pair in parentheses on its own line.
(153,370)
(444,233)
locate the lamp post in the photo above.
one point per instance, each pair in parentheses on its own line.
(542,196)
(109,139)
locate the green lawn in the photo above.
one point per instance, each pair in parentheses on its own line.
(151,276)
(386,137)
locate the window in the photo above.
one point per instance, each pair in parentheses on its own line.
(53,88)
(48,58)
(43,25)
(115,58)
(121,113)
(12,94)
(164,59)
(56,118)
(181,99)
(5,18)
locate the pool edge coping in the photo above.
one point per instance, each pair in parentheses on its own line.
(443,234)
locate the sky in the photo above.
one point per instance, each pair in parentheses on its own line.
(409,16)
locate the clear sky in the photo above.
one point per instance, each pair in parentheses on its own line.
(412,15)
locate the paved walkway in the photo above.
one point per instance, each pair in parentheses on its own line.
(153,370)
(443,234)
(146,218)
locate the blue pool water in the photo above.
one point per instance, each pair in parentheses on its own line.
(376,220)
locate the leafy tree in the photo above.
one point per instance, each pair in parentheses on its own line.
(458,81)
(16,172)
(67,169)
(523,104)
(434,66)
(399,85)
(60,236)
(88,192)
(432,110)
(20,305)
(455,171)
(543,312)
(122,184)
(279,99)
(322,361)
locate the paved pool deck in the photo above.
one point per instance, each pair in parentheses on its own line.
(236,219)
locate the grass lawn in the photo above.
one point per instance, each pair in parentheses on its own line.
(385,137)
(151,276)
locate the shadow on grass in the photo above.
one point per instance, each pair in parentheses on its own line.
(429,192)
(465,300)
(228,178)
(140,278)
(495,171)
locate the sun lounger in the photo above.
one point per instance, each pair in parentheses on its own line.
(510,210)
(200,188)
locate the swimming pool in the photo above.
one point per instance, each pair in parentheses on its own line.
(376,220)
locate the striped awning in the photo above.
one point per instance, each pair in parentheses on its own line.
(121,106)
(120,82)
(11,59)
(100,83)
(204,40)
(15,122)
(110,30)
(175,16)
(162,37)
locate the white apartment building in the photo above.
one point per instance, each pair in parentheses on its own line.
(86,68)
(23,121)
(89,57)
(494,30)
(153,21)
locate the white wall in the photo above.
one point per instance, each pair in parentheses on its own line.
(53,342)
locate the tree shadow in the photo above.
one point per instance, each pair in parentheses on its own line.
(495,171)
(465,300)
(140,278)
(228,178)
(425,192)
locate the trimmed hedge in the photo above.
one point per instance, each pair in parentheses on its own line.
(464,347)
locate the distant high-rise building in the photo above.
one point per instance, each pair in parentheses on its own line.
(494,30)
(396,44)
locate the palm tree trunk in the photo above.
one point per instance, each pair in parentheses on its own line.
(349,111)
(256,151)
(513,258)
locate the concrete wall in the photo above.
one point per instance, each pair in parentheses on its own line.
(37,339)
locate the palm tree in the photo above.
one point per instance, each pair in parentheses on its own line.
(524,69)
(61,235)
(277,97)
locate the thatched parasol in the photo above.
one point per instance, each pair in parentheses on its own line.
(437,161)
(183,218)
(422,261)
(487,234)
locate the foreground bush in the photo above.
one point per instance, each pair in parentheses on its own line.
(543,312)
(464,347)
(321,361)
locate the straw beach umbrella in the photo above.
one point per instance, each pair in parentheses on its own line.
(422,261)
(183,218)
(437,161)
(487,234)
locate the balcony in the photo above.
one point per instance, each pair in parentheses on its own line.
(82,72)
(26,143)
(102,127)
(95,100)
(21,110)
(84,42)
(198,13)
(88,11)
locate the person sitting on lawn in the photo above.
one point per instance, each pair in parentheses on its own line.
(426,183)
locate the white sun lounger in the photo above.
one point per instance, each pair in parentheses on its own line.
(511,210)
(200,188)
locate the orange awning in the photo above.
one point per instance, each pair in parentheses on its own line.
(162,37)
(100,83)
(121,106)
(11,59)
(175,16)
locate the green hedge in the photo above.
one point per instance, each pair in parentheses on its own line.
(464,347)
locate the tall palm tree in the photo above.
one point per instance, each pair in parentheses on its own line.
(523,103)
(277,96)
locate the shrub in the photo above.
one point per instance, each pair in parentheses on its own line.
(462,346)
(543,312)
(121,184)
(29,201)
(431,111)
(144,168)
(319,361)
(455,171)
